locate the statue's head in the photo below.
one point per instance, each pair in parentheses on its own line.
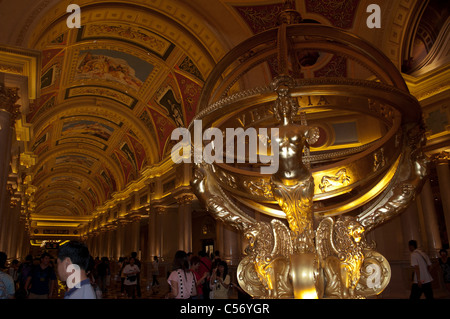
(285,106)
(355,230)
(349,229)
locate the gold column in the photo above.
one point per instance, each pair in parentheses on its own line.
(410,227)
(9,110)
(231,251)
(430,219)
(121,224)
(135,229)
(152,234)
(160,210)
(94,244)
(116,246)
(443,174)
(185,222)
(14,231)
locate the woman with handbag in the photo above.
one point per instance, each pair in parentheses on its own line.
(130,271)
(220,281)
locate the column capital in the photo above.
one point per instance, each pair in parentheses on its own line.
(121,221)
(160,209)
(184,199)
(134,217)
(8,99)
(441,158)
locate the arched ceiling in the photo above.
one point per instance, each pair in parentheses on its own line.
(113,90)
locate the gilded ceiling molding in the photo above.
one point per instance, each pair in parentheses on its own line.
(71,189)
(441,158)
(105,109)
(171,19)
(184,199)
(79,208)
(25,62)
(30,20)
(97,187)
(398,15)
(87,150)
(149,174)
(430,84)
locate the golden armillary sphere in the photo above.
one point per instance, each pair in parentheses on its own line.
(320,200)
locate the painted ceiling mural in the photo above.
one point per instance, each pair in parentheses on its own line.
(113,90)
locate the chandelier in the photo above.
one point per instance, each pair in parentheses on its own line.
(315,210)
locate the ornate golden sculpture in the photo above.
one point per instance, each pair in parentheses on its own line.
(8,99)
(340,249)
(288,257)
(292,184)
(279,257)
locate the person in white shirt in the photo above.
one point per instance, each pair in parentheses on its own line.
(155,271)
(422,277)
(130,271)
(181,279)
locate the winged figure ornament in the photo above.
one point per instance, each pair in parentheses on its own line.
(350,268)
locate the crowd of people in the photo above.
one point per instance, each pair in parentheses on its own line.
(37,278)
(191,277)
(204,277)
(201,277)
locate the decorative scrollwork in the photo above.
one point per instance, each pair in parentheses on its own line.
(340,246)
(259,188)
(268,260)
(341,178)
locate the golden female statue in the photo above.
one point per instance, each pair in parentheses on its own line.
(292,184)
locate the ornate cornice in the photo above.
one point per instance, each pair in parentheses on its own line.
(185,199)
(441,158)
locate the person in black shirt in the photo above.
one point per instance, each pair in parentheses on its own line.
(42,279)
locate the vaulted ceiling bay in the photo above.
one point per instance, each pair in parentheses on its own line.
(112,91)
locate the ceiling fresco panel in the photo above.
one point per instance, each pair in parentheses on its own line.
(48,55)
(72,159)
(141,37)
(41,104)
(102,91)
(113,65)
(190,92)
(127,168)
(139,151)
(164,128)
(110,65)
(87,127)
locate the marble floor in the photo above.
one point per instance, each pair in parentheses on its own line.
(148,291)
(114,291)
